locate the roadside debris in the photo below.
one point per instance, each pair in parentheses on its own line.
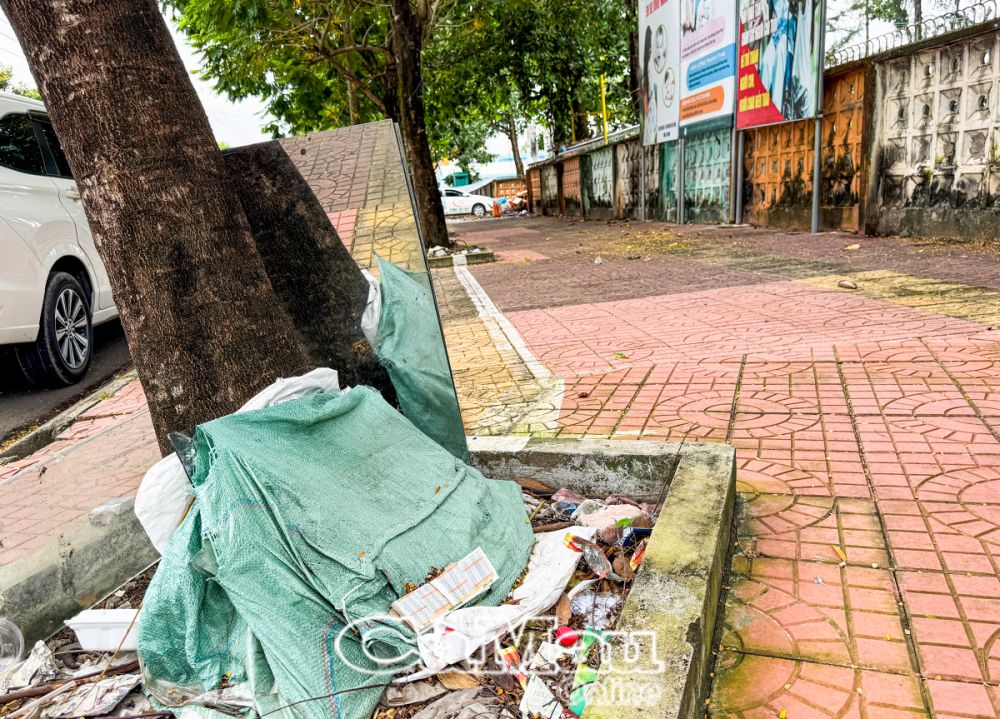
(316,546)
(848,284)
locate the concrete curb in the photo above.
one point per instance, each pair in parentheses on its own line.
(474,258)
(46,434)
(74,570)
(661,650)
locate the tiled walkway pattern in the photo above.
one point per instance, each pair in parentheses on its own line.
(867,429)
(99,458)
(864,579)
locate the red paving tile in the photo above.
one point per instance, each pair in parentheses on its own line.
(858,424)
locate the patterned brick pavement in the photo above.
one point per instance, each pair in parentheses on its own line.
(864,580)
(867,427)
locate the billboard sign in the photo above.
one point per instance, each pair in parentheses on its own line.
(659,53)
(708,59)
(780,61)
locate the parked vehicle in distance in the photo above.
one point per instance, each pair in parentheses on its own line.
(53,285)
(457,202)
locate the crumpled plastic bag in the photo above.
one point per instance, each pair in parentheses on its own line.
(475,703)
(165,492)
(38,668)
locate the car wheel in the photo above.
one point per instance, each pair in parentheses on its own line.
(479,210)
(62,352)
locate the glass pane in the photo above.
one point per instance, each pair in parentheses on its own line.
(18,145)
(55,148)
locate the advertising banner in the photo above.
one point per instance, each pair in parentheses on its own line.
(708,59)
(659,54)
(780,61)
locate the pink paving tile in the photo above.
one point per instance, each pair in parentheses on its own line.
(807,528)
(963,699)
(824,449)
(761,687)
(519,256)
(62,489)
(128,400)
(846,616)
(955,624)
(344,222)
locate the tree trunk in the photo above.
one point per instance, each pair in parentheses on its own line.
(634,84)
(314,276)
(204,324)
(406,47)
(581,127)
(511,127)
(352,102)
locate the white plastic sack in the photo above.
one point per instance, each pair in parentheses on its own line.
(463,631)
(373,309)
(165,491)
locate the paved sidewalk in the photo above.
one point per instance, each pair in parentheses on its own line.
(866,426)
(866,422)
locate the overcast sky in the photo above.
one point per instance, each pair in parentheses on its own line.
(233,123)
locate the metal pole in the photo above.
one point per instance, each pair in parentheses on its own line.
(604,109)
(642,181)
(680,181)
(818,140)
(739,176)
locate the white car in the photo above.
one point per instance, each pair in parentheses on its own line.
(53,285)
(457,202)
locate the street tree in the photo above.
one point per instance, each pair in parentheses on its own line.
(328,63)
(210,311)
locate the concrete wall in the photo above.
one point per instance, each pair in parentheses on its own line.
(571,186)
(535,190)
(667,167)
(778,162)
(598,181)
(707,162)
(628,180)
(936,165)
(550,190)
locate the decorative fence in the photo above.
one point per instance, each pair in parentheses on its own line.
(910,144)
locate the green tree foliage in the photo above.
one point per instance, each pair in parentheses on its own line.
(488,64)
(530,60)
(7,84)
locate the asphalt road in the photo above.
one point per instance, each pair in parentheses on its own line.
(23,405)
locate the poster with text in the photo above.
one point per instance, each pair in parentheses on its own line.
(780,61)
(708,59)
(660,55)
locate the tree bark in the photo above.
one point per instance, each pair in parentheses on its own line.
(634,84)
(581,128)
(315,278)
(406,47)
(511,127)
(204,324)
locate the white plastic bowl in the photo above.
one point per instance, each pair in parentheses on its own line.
(101,630)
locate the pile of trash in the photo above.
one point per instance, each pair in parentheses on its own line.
(322,556)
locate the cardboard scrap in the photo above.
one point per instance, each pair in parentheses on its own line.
(458,584)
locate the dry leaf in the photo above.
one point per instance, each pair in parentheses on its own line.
(533,485)
(564,610)
(840,552)
(622,568)
(457,680)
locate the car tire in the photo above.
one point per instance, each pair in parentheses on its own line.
(479,210)
(61,354)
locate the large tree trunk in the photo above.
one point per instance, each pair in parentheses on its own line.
(315,278)
(204,324)
(632,23)
(581,126)
(406,47)
(511,127)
